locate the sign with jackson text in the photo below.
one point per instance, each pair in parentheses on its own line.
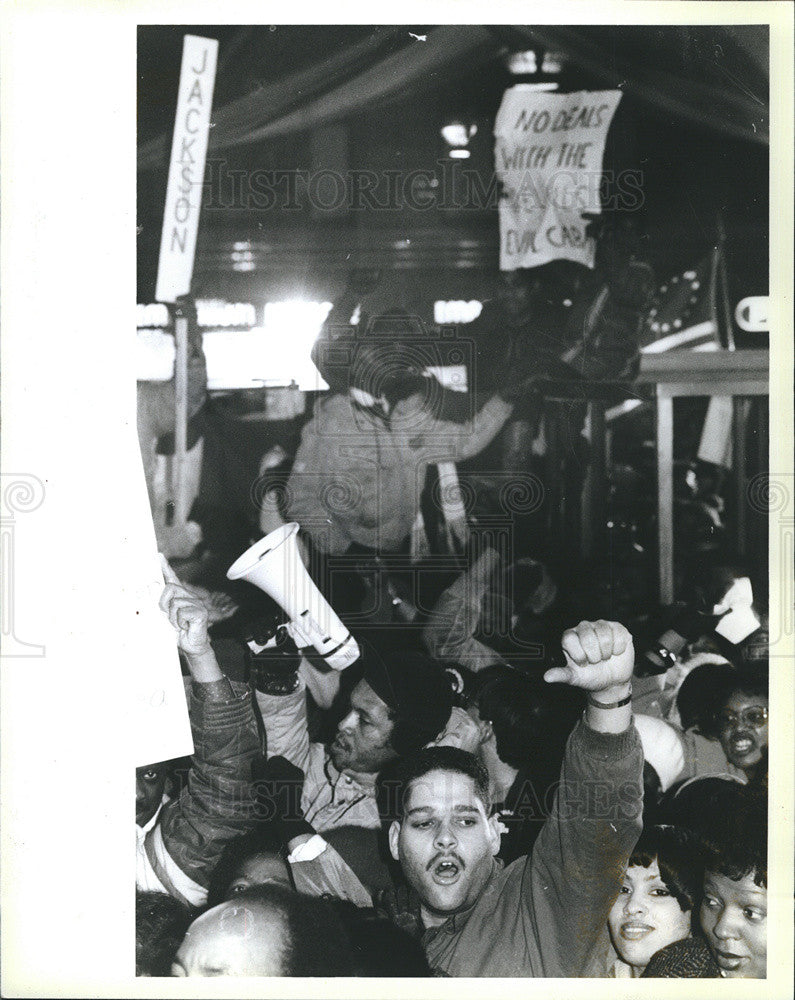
(186,168)
(548,152)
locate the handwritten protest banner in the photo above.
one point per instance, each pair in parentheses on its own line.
(186,169)
(548,155)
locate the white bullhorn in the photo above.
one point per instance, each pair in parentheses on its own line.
(274,565)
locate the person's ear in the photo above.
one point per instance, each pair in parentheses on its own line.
(495,833)
(394,833)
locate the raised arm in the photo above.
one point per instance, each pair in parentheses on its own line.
(337,326)
(323,685)
(599,659)
(190,617)
(445,440)
(216,805)
(449,633)
(575,870)
(281,698)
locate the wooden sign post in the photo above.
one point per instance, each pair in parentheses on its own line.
(162,725)
(181,226)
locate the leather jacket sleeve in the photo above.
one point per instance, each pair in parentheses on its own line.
(217,803)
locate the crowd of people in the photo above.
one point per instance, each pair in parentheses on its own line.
(488,790)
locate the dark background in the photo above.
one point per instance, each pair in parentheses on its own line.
(690,172)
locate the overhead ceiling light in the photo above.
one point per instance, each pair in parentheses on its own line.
(457,134)
(540,65)
(541,85)
(151,314)
(552,64)
(522,63)
(456,310)
(459,154)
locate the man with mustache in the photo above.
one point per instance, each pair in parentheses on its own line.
(402,701)
(541,915)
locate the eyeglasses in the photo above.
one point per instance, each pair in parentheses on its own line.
(754,717)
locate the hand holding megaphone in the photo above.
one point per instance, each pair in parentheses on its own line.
(274,565)
(273,634)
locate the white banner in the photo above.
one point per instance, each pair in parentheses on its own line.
(186,170)
(146,654)
(548,153)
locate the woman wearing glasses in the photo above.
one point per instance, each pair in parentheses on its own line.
(742,725)
(730,820)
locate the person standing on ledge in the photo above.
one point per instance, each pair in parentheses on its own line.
(360,468)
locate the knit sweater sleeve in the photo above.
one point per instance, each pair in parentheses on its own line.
(578,860)
(687,959)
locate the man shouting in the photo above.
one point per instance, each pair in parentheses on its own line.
(541,915)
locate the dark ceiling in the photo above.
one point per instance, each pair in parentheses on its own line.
(693,171)
(252,56)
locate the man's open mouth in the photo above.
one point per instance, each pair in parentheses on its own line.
(446,871)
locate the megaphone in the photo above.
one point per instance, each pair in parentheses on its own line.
(274,565)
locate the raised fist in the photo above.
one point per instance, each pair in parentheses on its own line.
(599,655)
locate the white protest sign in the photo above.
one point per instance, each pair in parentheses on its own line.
(186,170)
(148,649)
(548,153)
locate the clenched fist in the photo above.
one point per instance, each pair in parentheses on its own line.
(599,657)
